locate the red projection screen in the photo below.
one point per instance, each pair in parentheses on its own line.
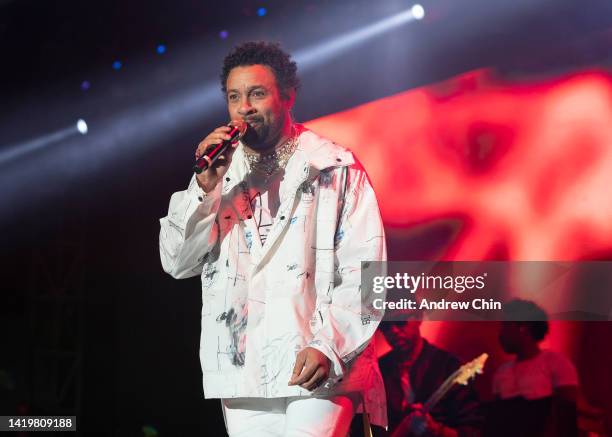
(478,168)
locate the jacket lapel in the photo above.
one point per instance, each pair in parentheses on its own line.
(312,155)
(288,197)
(236,190)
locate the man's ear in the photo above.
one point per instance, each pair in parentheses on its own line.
(289,98)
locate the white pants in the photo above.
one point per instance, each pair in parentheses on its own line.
(290,417)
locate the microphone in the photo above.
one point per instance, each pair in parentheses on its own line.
(213,151)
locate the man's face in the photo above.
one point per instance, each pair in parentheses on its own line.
(402,335)
(253,96)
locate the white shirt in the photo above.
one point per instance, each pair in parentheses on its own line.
(265,201)
(534,378)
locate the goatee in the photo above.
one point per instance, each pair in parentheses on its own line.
(257,137)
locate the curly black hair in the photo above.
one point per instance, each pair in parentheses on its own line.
(527,313)
(263,53)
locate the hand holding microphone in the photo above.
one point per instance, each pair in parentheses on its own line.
(214,154)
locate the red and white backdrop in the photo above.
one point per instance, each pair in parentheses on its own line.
(482,168)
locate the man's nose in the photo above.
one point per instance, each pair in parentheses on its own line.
(245,107)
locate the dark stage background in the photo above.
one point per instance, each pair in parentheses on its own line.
(471,103)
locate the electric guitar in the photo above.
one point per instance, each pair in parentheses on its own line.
(462,376)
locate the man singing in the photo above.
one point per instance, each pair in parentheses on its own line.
(277,229)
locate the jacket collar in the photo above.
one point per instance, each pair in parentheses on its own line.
(312,155)
(320,153)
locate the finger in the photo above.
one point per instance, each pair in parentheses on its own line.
(202,148)
(217,137)
(307,372)
(223,134)
(316,379)
(223,160)
(226,157)
(300,360)
(211,140)
(221,130)
(219,162)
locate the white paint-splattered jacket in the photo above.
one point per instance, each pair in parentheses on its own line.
(263,304)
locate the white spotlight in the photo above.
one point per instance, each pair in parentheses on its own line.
(81,126)
(417,11)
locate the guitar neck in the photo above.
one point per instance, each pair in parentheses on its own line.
(440,392)
(460,376)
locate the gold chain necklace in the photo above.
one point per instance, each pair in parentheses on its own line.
(270,163)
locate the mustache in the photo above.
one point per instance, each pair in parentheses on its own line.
(253,120)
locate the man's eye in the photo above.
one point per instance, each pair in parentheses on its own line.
(259,93)
(232,97)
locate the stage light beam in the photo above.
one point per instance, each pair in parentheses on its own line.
(319,53)
(160,119)
(9,153)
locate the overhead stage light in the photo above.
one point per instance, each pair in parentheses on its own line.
(417,11)
(81,126)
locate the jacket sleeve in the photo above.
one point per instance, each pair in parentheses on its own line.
(348,315)
(189,231)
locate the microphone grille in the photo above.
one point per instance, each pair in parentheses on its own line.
(241,125)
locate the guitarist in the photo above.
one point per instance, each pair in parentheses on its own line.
(412,372)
